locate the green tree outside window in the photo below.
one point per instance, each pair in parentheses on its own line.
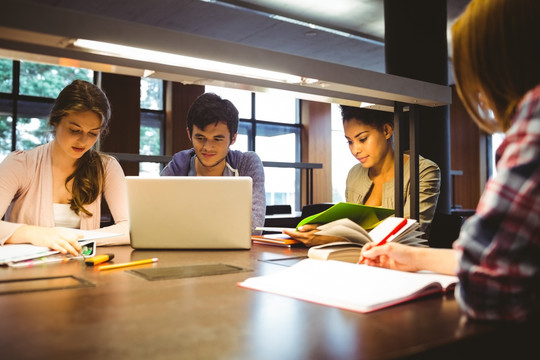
(48,80)
(6,77)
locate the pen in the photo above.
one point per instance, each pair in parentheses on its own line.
(98,259)
(392,233)
(131,263)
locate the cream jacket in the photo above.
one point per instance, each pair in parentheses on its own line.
(359,184)
(26,195)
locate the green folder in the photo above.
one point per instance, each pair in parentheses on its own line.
(366,216)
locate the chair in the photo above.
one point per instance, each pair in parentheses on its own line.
(313,209)
(444,230)
(278,209)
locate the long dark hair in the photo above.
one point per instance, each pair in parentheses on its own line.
(81,96)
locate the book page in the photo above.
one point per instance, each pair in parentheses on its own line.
(346,229)
(389,224)
(349,286)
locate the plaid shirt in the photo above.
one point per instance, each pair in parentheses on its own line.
(499,247)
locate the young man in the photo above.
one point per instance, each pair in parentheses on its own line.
(212,127)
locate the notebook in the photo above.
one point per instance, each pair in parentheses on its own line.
(190,212)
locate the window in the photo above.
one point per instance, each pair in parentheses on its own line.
(25,104)
(5,135)
(24,110)
(152,124)
(342,160)
(48,80)
(269,125)
(6,75)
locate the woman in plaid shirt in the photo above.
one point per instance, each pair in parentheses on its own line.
(497,256)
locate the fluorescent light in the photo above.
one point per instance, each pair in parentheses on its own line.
(189,62)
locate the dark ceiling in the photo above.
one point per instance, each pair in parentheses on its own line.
(348,32)
(335,47)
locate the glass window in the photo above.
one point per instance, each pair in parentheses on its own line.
(276,139)
(242,139)
(151,94)
(277,107)
(282,186)
(240,98)
(342,159)
(32,132)
(48,80)
(5,135)
(277,143)
(151,141)
(6,125)
(6,75)
(32,128)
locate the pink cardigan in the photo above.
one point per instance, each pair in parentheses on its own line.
(26,195)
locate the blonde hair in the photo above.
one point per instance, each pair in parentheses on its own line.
(496,58)
(81,96)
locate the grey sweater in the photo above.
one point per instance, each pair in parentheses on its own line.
(238,164)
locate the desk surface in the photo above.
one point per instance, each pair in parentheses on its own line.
(125,316)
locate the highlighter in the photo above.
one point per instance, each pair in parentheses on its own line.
(98,259)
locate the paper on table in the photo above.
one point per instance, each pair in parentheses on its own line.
(349,286)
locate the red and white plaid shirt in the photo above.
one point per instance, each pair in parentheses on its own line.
(499,247)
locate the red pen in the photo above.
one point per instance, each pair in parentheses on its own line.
(392,233)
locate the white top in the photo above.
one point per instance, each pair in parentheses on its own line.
(65,217)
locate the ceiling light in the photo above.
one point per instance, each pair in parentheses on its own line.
(134,53)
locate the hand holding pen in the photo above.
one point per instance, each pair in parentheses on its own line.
(386,238)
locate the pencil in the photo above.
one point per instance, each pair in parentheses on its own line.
(131,263)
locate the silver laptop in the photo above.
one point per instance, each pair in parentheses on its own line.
(190,212)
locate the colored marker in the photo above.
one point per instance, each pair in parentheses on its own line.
(131,263)
(98,259)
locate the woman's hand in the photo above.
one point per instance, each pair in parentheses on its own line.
(308,235)
(62,240)
(391,256)
(410,258)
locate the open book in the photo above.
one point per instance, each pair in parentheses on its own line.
(354,238)
(359,288)
(363,216)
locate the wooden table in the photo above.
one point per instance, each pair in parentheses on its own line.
(123,316)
